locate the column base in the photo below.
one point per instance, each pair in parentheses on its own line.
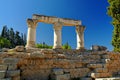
(80,48)
(57,47)
(30,44)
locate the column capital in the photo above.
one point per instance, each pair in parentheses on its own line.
(58,25)
(32,23)
(80,28)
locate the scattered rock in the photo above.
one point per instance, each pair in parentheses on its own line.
(3,67)
(98,48)
(63,77)
(20,48)
(13,73)
(5,49)
(6,79)
(37,55)
(10,60)
(11,51)
(2,74)
(57,71)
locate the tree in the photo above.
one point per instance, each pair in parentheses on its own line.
(4,31)
(114,12)
(11,34)
(17,39)
(4,43)
(14,37)
(24,39)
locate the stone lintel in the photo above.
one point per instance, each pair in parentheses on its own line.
(52,20)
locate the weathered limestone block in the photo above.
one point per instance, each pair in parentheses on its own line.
(55,56)
(106,56)
(95,65)
(2,74)
(13,73)
(105,75)
(31,50)
(78,64)
(80,72)
(37,55)
(95,75)
(72,64)
(40,74)
(1,61)
(10,60)
(98,48)
(48,56)
(16,78)
(66,70)
(57,71)
(114,78)
(85,78)
(105,65)
(19,48)
(105,70)
(84,72)
(3,67)
(6,79)
(61,63)
(92,56)
(48,51)
(5,49)
(11,51)
(63,77)
(62,56)
(12,67)
(100,75)
(101,70)
(48,61)
(106,60)
(74,73)
(43,66)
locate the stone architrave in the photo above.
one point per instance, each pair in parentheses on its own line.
(31,36)
(57,35)
(80,36)
(58,23)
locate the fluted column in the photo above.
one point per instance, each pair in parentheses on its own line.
(57,36)
(31,36)
(80,36)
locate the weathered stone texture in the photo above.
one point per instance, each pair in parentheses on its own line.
(2,74)
(58,64)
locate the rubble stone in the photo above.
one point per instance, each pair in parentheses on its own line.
(19,48)
(2,74)
(13,73)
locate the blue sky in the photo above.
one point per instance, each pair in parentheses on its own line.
(92,13)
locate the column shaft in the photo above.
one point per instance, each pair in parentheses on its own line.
(57,36)
(80,37)
(31,36)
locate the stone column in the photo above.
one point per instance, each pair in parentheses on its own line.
(80,36)
(31,36)
(57,36)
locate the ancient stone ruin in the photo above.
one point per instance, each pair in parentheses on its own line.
(58,24)
(58,64)
(30,63)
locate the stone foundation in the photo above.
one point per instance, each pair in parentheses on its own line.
(58,64)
